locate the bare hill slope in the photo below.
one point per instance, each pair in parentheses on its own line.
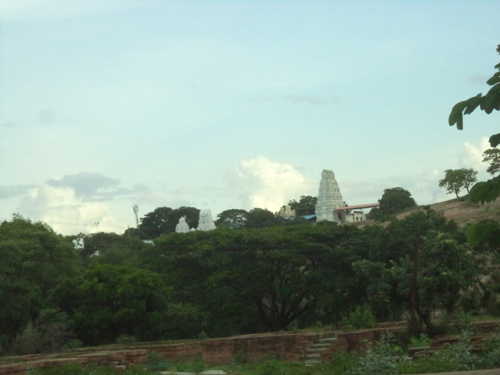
(462,211)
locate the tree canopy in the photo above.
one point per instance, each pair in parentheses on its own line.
(492,157)
(305,206)
(260,217)
(36,262)
(487,103)
(226,282)
(393,200)
(458,179)
(119,300)
(484,191)
(234,218)
(164,220)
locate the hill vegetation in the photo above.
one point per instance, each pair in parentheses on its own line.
(284,276)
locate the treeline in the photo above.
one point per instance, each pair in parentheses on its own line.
(163,220)
(56,294)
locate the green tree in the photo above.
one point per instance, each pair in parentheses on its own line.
(112,247)
(393,200)
(484,191)
(117,300)
(492,157)
(263,278)
(305,206)
(458,179)
(259,217)
(425,266)
(155,223)
(135,232)
(49,333)
(485,235)
(234,218)
(164,220)
(35,261)
(487,103)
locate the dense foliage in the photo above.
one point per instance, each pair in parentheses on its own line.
(393,201)
(484,191)
(103,288)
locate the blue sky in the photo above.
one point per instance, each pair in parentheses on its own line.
(233,104)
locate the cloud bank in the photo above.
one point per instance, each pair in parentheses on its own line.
(266,184)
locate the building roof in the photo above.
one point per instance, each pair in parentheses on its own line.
(357,207)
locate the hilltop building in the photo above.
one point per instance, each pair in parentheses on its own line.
(205,222)
(182,226)
(329,199)
(331,205)
(286,212)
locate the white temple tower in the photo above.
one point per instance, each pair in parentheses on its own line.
(182,226)
(206,222)
(329,198)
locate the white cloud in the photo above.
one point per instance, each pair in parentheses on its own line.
(75,203)
(473,155)
(266,184)
(64,211)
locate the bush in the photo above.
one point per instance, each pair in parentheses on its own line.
(48,334)
(423,340)
(379,360)
(342,363)
(124,339)
(362,317)
(454,357)
(157,363)
(459,322)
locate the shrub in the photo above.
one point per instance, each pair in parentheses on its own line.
(379,360)
(422,340)
(454,357)
(362,317)
(124,339)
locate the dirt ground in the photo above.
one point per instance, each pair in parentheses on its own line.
(464,212)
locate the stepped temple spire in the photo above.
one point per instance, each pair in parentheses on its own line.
(329,198)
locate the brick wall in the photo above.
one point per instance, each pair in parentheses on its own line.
(289,346)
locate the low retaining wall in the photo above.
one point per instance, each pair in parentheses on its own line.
(289,346)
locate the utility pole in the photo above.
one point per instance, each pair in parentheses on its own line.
(136,210)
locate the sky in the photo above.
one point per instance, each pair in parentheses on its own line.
(234,104)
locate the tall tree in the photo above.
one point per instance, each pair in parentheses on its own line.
(35,262)
(393,201)
(305,206)
(492,157)
(484,191)
(426,265)
(234,218)
(260,217)
(487,103)
(164,220)
(268,277)
(119,300)
(458,179)
(155,223)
